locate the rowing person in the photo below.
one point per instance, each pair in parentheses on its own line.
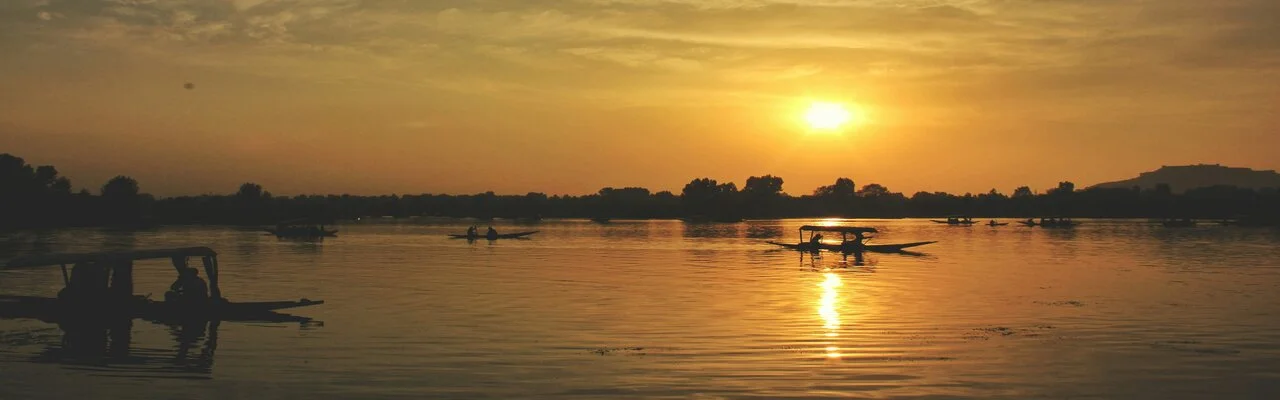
(815,239)
(491,234)
(473,231)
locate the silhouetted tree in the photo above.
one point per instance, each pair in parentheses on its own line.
(122,201)
(1023,191)
(762,196)
(836,199)
(120,188)
(35,196)
(873,190)
(1065,187)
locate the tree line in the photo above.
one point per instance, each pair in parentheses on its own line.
(37,197)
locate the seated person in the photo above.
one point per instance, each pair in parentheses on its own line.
(189,288)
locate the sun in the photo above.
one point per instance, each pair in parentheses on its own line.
(827,116)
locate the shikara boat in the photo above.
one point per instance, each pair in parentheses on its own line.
(855,244)
(1055,222)
(518,235)
(955,220)
(299,229)
(100,286)
(994,223)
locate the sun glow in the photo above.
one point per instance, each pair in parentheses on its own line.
(827,116)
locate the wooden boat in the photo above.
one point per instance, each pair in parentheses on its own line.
(305,232)
(702,219)
(100,285)
(53,310)
(958,220)
(1050,223)
(851,248)
(856,244)
(994,223)
(296,229)
(518,235)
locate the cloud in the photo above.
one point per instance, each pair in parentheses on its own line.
(709,44)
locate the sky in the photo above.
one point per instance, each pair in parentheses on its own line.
(569,96)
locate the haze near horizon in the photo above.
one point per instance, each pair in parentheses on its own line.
(380,97)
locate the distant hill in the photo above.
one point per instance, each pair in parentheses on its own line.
(1186,177)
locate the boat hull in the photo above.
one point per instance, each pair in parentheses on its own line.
(54,310)
(874,248)
(302,234)
(519,235)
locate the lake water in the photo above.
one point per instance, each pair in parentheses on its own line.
(663,309)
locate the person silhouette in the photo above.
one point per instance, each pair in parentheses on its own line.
(189,288)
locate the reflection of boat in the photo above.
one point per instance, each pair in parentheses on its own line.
(296,229)
(518,235)
(100,286)
(956,220)
(856,244)
(108,345)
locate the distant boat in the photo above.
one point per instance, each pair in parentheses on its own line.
(518,235)
(1178,222)
(957,220)
(294,229)
(1053,222)
(698,219)
(857,244)
(994,223)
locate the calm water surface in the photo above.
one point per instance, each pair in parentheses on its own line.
(1112,309)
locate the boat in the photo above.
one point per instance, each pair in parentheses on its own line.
(297,229)
(994,223)
(874,248)
(856,244)
(1053,222)
(518,235)
(703,219)
(1178,222)
(955,220)
(100,286)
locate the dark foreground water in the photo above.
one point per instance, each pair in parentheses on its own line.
(1112,309)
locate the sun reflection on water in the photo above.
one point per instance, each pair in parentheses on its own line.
(827,310)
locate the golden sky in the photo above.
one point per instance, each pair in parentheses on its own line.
(370,97)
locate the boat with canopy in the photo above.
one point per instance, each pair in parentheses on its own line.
(955,220)
(100,285)
(853,239)
(301,228)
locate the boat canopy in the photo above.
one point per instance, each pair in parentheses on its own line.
(840,229)
(73,258)
(119,265)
